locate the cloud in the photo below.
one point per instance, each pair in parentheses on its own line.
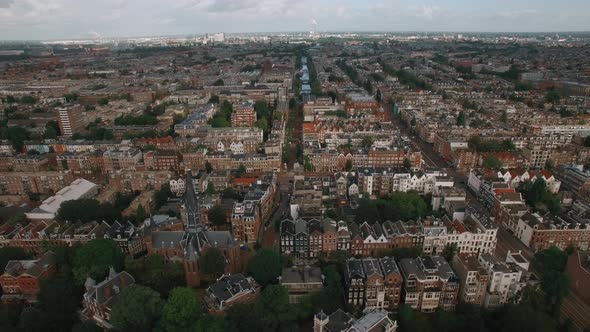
(427,11)
(6,3)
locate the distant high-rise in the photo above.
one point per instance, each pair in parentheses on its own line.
(71,120)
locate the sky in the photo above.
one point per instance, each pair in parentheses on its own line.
(65,19)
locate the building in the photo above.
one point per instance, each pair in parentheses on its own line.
(229,290)
(373,283)
(71,120)
(578,271)
(301,281)
(99,298)
(429,283)
(543,232)
(243,115)
(474,279)
(506,279)
(21,280)
(78,189)
(340,321)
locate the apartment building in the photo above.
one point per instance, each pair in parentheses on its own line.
(373,283)
(429,283)
(21,279)
(340,321)
(71,120)
(230,290)
(474,279)
(506,279)
(99,298)
(301,281)
(543,232)
(243,115)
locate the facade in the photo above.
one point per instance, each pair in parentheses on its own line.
(429,283)
(230,290)
(340,321)
(301,281)
(506,279)
(474,279)
(373,283)
(99,298)
(21,279)
(243,115)
(71,120)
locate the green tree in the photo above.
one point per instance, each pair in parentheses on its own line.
(58,301)
(492,162)
(103,101)
(182,310)
(156,272)
(449,252)
(461,119)
(95,258)
(208,167)
(348,165)
(214,99)
(504,117)
(407,164)
(241,171)
(216,215)
(266,266)
(140,214)
(219,82)
(210,188)
(367,142)
(138,308)
(28,99)
(553,96)
(292,103)
(11,253)
(212,262)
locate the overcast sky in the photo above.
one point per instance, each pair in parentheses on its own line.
(58,19)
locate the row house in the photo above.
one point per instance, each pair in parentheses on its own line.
(475,234)
(429,284)
(474,279)
(373,283)
(33,182)
(506,279)
(230,290)
(243,115)
(543,232)
(161,160)
(508,159)
(99,297)
(21,279)
(126,159)
(139,180)
(515,176)
(370,240)
(245,222)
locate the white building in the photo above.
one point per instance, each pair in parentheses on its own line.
(78,189)
(506,280)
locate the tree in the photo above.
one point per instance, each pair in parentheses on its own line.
(95,258)
(230,192)
(161,196)
(492,162)
(210,188)
(378,96)
(103,101)
(181,311)
(58,301)
(28,99)
(461,119)
(19,218)
(292,103)
(553,96)
(266,266)
(137,309)
(212,262)
(208,167)
(366,211)
(216,215)
(348,166)
(449,252)
(407,164)
(241,171)
(156,272)
(11,253)
(367,142)
(214,99)
(140,214)
(504,117)
(219,82)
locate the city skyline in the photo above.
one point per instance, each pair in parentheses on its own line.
(59,19)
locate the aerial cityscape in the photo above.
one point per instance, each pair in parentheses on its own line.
(321,166)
